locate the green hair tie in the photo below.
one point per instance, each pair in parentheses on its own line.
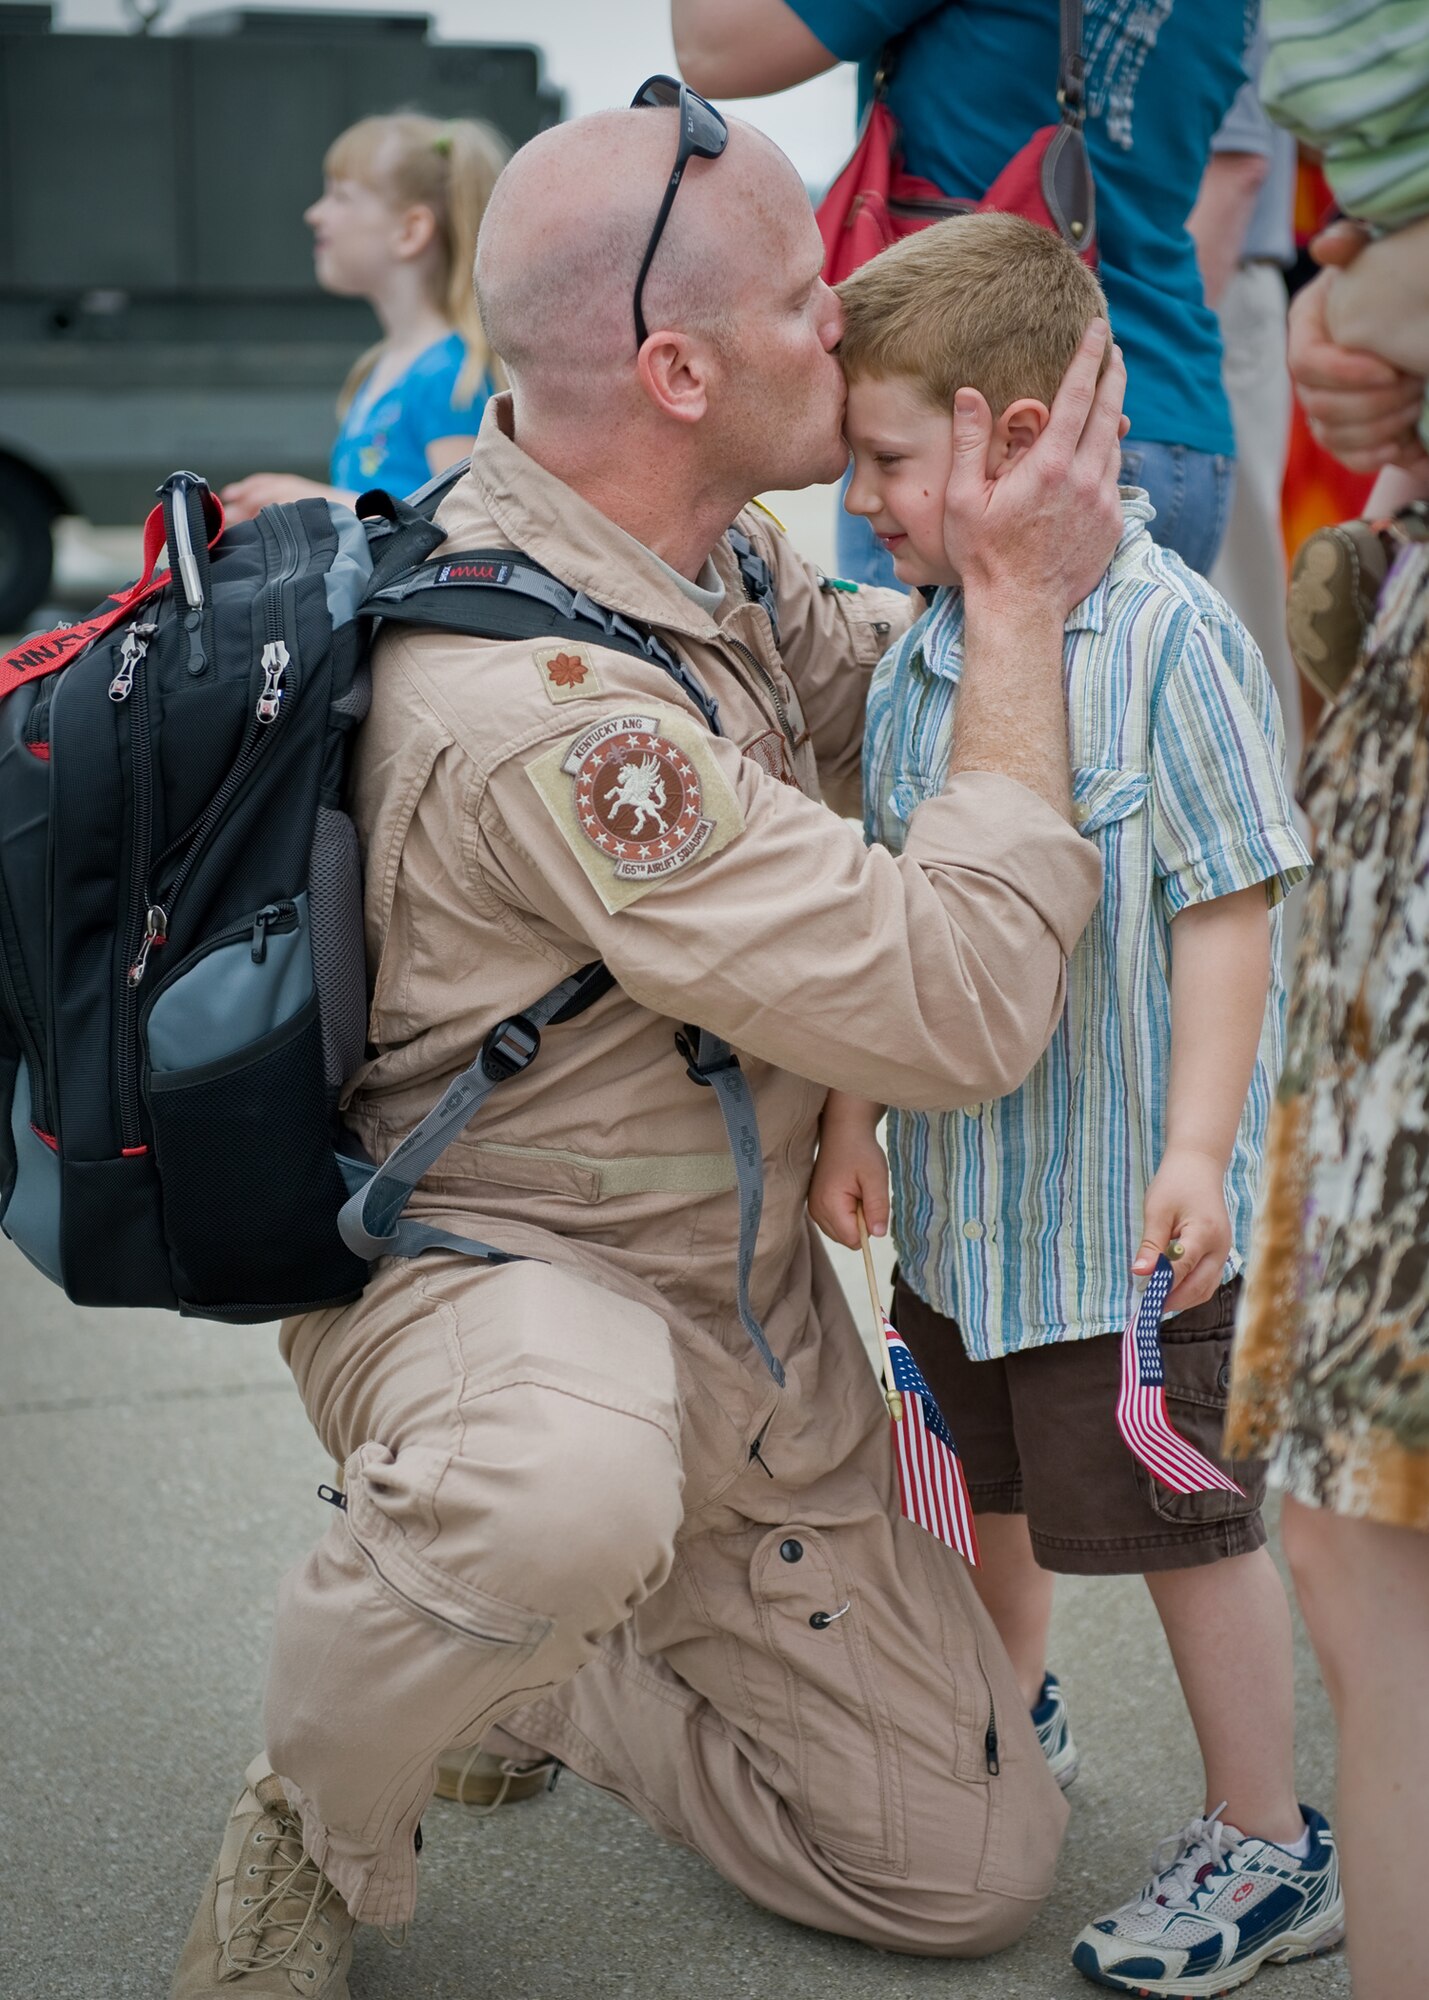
(442,143)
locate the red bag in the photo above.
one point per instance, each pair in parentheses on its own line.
(874,203)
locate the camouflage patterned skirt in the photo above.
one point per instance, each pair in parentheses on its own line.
(1331,1374)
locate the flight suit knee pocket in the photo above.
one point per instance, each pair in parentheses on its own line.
(390,1517)
(844,1744)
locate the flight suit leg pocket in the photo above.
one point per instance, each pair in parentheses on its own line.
(844,1744)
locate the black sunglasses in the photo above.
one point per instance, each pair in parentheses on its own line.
(703,136)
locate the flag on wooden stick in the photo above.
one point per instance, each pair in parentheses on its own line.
(1141,1413)
(931,1488)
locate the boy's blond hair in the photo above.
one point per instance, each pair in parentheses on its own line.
(987,301)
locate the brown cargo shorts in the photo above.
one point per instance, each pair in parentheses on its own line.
(1037,1435)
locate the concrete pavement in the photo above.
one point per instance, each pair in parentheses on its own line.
(157,1475)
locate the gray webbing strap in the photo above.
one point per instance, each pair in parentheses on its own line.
(715,1063)
(370,1221)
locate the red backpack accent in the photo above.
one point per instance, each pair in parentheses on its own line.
(46,652)
(874,202)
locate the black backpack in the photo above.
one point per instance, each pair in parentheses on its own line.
(182,978)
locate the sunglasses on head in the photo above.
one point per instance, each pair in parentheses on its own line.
(703,136)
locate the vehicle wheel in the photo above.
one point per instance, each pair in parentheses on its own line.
(26,549)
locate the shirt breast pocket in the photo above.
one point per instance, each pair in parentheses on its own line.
(1105,794)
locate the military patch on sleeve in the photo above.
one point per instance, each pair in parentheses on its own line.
(637,797)
(567,672)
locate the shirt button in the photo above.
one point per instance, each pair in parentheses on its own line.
(1081,813)
(973,1231)
(792,1551)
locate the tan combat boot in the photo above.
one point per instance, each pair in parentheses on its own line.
(270,1921)
(477,1779)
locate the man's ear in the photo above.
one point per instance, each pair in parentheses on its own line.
(1017,430)
(674,371)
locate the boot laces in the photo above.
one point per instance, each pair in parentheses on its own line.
(510,1768)
(1180,1861)
(285,1902)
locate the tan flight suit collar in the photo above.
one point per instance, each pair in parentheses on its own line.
(540,515)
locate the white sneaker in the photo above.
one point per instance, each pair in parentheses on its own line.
(1049,1719)
(1217,1908)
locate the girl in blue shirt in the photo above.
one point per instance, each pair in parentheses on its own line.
(397,222)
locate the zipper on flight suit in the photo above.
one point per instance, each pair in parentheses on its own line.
(772,685)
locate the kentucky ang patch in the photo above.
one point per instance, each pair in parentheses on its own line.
(637,797)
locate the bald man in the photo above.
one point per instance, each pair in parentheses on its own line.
(586,1519)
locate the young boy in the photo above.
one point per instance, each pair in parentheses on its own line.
(1021,1224)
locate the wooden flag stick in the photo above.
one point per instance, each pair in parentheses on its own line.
(890,1394)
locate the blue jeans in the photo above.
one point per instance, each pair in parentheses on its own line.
(1190,490)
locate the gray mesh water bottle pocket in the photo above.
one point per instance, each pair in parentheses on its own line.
(339,958)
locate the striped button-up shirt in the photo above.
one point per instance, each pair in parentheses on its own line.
(1020,1218)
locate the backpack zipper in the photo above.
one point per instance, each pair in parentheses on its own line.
(139,932)
(273,920)
(157,905)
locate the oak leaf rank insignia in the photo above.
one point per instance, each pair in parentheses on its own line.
(567,672)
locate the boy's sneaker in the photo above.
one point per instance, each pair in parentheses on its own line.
(1049,1719)
(1217,1908)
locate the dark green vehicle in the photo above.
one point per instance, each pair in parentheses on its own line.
(157,301)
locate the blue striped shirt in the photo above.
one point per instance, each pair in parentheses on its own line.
(1020,1218)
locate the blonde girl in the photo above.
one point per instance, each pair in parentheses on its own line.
(402,201)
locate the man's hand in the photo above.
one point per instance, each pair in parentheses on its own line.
(1360,408)
(1186,1204)
(851,1168)
(1043,534)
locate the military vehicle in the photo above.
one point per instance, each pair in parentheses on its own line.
(157,300)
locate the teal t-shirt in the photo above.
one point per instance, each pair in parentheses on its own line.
(383,440)
(975,79)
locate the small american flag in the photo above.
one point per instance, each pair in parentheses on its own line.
(1141,1407)
(932,1489)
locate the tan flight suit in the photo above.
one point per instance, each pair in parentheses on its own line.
(578,1505)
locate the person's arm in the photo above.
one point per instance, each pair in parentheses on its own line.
(246,497)
(1217,224)
(1220,975)
(744,48)
(1361,408)
(1030,546)
(445,451)
(1380,301)
(851,1170)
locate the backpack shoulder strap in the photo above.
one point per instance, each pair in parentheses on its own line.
(503,594)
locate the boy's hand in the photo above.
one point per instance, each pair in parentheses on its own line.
(1186,1204)
(851,1168)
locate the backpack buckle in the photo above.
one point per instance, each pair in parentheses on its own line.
(510,1047)
(687,1042)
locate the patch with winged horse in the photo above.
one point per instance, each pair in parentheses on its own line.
(644,794)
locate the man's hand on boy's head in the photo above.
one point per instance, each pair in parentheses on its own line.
(1186,1204)
(1049,525)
